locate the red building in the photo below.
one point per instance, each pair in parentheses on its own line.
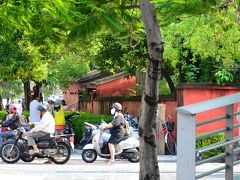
(98,84)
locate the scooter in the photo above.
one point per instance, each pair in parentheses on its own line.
(127,148)
(87,137)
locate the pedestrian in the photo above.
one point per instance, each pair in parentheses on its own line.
(34,114)
(20,107)
(63,102)
(50,105)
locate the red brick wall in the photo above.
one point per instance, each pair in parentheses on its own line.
(119,87)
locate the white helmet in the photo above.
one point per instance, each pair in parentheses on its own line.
(117,106)
(57,103)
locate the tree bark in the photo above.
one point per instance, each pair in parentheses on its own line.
(147,128)
(168,78)
(27,94)
(140,81)
(38,90)
(1,103)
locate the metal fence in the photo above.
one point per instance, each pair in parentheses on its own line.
(187,156)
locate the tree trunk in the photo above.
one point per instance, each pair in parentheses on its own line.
(140,80)
(168,78)
(147,128)
(38,90)
(27,94)
(1,103)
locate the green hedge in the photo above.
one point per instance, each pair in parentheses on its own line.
(79,126)
(2,115)
(211,140)
(25,114)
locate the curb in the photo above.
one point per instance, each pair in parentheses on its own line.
(76,154)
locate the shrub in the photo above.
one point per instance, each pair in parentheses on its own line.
(211,140)
(25,114)
(2,115)
(79,126)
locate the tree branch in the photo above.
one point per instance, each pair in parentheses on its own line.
(134,6)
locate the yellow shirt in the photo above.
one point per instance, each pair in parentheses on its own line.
(59,117)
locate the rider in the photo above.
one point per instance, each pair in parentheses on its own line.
(116,129)
(10,122)
(44,127)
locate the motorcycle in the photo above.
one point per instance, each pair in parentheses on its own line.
(127,148)
(57,148)
(26,128)
(132,121)
(68,131)
(87,137)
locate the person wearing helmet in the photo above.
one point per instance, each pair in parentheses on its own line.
(116,129)
(10,123)
(51,102)
(58,114)
(44,127)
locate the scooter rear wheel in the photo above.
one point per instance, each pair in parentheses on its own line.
(27,158)
(134,157)
(63,153)
(89,155)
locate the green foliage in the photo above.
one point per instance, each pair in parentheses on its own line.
(67,70)
(223,76)
(95,16)
(79,126)
(2,115)
(116,53)
(190,73)
(203,48)
(25,114)
(172,10)
(211,140)
(11,89)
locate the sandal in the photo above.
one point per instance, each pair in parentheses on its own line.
(47,162)
(109,161)
(36,152)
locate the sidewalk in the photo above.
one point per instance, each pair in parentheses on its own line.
(167,167)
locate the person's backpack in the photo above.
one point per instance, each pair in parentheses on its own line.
(127,128)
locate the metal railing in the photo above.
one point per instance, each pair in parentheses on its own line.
(187,156)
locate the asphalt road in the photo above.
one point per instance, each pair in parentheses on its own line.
(76,169)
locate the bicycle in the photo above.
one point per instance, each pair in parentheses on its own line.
(166,130)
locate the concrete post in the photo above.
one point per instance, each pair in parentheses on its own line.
(160,140)
(186,139)
(228,137)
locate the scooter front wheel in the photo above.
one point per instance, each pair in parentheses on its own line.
(10,153)
(89,155)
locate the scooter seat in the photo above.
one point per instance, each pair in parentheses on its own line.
(43,138)
(124,138)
